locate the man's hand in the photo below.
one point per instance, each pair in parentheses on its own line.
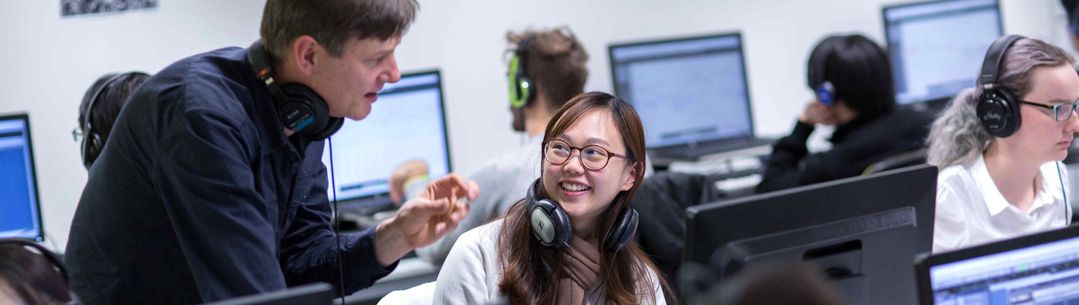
(424,219)
(400,176)
(817,113)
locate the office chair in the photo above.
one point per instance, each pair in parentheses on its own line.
(902,160)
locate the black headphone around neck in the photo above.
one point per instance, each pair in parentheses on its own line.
(520,84)
(551,225)
(49,256)
(299,107)
(998,109)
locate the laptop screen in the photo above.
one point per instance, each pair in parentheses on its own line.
(686,91)
(1045,273)
(937,47)
(407,122)
(20,215)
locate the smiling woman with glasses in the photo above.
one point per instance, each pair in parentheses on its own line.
(570,241)
(999,145)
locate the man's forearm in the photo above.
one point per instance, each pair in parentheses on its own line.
(390,242)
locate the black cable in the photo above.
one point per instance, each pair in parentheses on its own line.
(336,227)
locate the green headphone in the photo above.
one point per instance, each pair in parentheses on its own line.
(520,84)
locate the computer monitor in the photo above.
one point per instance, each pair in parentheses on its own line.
(1042,268)
(407,122)
(687,90)
(863,232)
(20,213)
(310,294)
(936,47)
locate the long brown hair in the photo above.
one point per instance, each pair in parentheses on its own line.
(530,270)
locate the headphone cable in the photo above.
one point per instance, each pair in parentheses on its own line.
(336,226)
(1063,193)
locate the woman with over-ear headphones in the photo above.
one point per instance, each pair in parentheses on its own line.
(570,240)
(999,145)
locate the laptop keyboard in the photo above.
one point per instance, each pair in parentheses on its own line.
(696,151)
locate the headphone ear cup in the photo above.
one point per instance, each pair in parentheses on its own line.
(305,112)
(520,85)
(998,113)
(525,85)
(549,222)
(91,148)
(331,128)
(622,231)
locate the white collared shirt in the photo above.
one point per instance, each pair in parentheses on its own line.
(971,210)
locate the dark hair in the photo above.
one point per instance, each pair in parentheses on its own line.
(556,63)
(858,69)
(333,22)
(1070,7)
(31,276)
(527,265)
(774,284)
(111,92)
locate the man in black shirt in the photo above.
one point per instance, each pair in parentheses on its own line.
(211,185)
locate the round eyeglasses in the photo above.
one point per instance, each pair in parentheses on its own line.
(592,157)
(1061,112)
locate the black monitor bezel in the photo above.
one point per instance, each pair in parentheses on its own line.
(934,104)
(925,261)
(745,73)
(910,191)
(693,211)
(445,133)
(25,118)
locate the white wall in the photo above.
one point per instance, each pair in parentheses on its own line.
(47,62)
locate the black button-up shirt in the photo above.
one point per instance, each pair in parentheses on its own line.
(200,196)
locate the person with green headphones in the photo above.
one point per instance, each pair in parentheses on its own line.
(546,69)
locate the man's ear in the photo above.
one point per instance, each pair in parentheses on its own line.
(628,184)
(302,53)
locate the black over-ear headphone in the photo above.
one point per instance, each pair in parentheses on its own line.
(551,225)
(92,141)
(50,257)
(520,84)
(998,109)
(299,107)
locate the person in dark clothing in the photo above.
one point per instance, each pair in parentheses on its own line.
(211,185)
(664,197)
(1071,9)
(852,78)
(99,108)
